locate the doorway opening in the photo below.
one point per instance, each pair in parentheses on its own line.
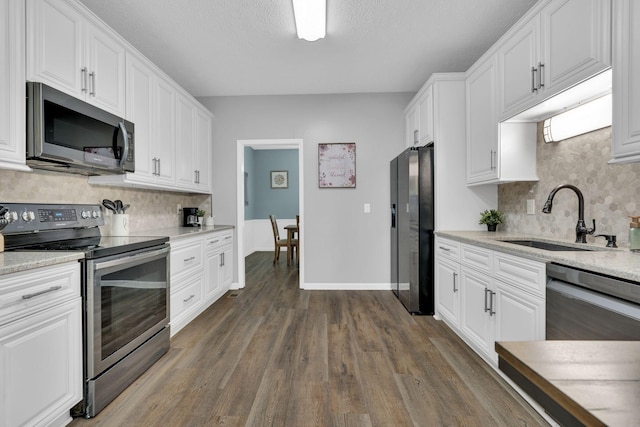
(265,144)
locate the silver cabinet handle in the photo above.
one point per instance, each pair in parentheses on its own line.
(92,81)
(83,72)
(213,242)
(159,167)
(46,291)
(540,75)
(454,282)
(493,159)
(533,80)
(154,166)
(228,237)
(486,305)
(189,259)
(444,249)
(188,299)
(491,295)
(415,136)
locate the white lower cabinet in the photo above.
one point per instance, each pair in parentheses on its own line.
(40,346)
(201,272)
(496,297)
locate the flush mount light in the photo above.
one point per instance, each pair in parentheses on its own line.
(577,121)
(311,19)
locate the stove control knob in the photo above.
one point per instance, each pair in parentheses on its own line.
(95,214)
(28,216)
(85,214)
(11,216)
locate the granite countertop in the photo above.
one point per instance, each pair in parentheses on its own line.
(176,233)
(13,262)
(578,382)
(620,262)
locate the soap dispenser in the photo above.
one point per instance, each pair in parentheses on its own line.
(634,234)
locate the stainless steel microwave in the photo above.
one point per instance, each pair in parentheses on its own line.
(66,134)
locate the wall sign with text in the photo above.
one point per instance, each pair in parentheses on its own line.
(337,165)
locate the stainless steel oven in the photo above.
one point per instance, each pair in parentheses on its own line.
(127,318)
(125,290)
(583,305)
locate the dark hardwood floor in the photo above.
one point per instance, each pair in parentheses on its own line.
(271,354)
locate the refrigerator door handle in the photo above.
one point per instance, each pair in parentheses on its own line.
(393,215)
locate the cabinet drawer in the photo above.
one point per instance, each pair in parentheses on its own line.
(476,257)
(186,298)
(449,249)
(27,292)
(186,257)
(217,240)
(522,273)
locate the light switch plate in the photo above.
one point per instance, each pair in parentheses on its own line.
(367,208)
(531,206)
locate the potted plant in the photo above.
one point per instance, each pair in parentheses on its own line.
(491,217)
(200,214)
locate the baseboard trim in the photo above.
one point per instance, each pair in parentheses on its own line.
(347,286)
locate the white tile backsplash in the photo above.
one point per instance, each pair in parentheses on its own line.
(611,192)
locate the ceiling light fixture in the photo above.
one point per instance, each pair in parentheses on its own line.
(580,120)
(311,19)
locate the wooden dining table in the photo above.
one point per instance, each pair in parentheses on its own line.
(291,231)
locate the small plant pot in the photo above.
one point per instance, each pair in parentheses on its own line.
(492,227)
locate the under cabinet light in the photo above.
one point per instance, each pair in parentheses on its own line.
(311,19)
(585,118)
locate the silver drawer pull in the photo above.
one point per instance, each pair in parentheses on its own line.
(189,259)
(51,289)
(213,241)
(444,249)
(188,299)
(227,238)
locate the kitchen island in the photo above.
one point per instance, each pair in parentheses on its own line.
(593,383)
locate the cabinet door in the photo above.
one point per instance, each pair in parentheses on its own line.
(164,137)
(202,160)
(519,316)
(106,65)
(518,64)
(12,88)
(475,319)
(55,45)
(140,106)
(227,267)
(576,41)
(41,366)
(626,82)
(482,124)
(412,126)
(185,170)
(213,261)
(448,287)
(425,110)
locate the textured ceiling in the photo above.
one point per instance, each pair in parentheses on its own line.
(249,47)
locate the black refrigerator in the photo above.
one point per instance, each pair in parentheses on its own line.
(412,224)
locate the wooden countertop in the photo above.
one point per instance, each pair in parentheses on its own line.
(578,382)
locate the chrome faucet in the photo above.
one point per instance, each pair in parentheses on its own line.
(581,228)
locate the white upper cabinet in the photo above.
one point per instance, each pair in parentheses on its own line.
(12,88)
(482,123)
(565,43)
(185,142)
(75,54)
(202,162)
(419,119)
(625,145)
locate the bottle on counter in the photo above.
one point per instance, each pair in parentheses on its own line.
(634,234)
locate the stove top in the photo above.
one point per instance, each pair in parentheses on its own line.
(51,227)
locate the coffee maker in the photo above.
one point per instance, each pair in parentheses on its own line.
(190,219)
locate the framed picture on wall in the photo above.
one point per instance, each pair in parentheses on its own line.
(337,165)
(279,179)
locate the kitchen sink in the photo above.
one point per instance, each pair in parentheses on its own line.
(547,246)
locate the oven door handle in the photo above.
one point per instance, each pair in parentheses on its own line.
(132,259)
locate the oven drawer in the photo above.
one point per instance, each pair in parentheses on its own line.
(35,290)
(186,256)
(186,298)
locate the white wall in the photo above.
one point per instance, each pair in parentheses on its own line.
(344,247)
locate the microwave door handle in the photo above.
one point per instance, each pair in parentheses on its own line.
(125,143)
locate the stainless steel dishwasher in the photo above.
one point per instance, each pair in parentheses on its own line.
(583,305)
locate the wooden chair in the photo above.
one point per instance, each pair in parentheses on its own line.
(295,242)
(278,242)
